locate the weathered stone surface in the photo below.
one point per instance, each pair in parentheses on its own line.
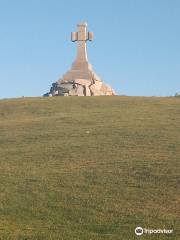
(73,92)
(87,90)
(67,86)
(46,95)
(98,84)
(107,90)
(80,90)
(95,91)
(83,82)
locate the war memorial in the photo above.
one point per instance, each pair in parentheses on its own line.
(80,80)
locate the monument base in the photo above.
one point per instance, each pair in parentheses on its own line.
(80,80)
(80,87)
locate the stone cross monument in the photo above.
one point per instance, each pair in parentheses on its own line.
(81,36)
(80,80)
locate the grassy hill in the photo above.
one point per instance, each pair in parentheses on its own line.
(89,168)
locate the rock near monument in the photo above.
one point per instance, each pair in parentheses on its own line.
(80,80)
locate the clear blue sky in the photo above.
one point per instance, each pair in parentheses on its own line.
(136,47)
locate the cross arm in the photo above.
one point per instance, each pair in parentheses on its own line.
(82,36)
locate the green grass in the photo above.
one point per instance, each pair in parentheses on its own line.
(89,168)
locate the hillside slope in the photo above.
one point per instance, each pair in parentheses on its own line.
(89,167)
